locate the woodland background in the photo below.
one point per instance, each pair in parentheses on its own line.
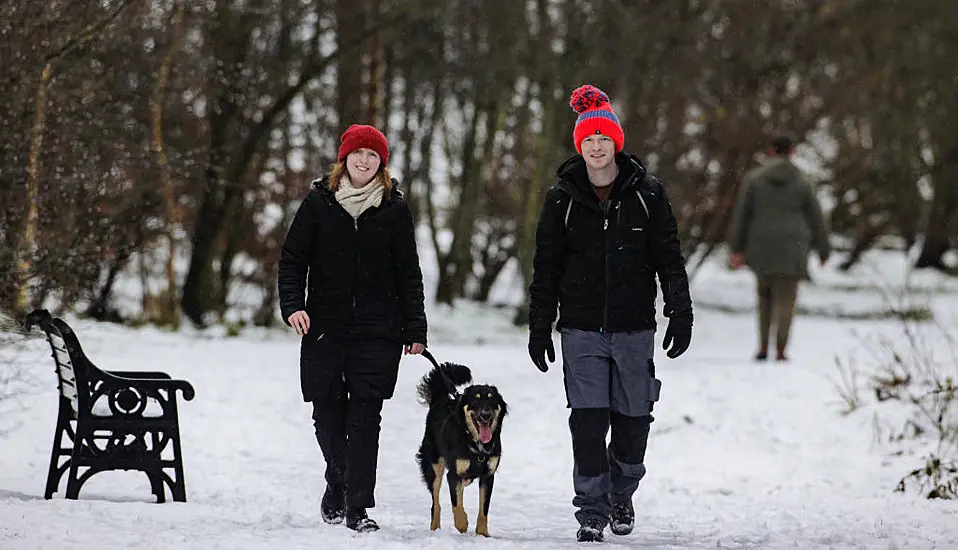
(173,139)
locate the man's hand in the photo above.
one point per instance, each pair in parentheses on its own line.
(678,335)
(300,322)
(413,349)
(540,345)
(736,260)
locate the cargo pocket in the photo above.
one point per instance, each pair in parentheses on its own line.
(655,385)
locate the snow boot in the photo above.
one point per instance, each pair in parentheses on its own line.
(357,520)
(623,518)
(333,505)
(590,531)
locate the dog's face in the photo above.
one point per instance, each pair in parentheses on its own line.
(484,410)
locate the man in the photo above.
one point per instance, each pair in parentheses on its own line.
(776,220)
(605,231)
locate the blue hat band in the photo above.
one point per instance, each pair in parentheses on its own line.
(608,115)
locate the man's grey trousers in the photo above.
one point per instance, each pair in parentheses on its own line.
(610,383)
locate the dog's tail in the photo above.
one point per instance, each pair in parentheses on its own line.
(441,381)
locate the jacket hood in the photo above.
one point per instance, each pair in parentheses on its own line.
(780,172)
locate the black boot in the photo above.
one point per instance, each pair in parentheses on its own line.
(333,505)
(590,531)
(623,518)
(357,520)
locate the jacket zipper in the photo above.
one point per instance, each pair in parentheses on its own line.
(605,304)
(356,264)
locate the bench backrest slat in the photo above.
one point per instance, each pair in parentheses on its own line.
(71,366)
(66,373)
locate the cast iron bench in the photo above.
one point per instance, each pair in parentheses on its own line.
(111,420)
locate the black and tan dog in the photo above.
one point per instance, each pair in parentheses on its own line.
(461,440)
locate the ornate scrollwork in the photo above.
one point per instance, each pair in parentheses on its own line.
(127,402)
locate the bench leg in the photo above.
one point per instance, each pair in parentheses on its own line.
(156,486)
(73,481)
(53,474)
(73,474)
(179,484)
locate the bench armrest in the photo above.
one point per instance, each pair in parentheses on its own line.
(139,374)
(151,384)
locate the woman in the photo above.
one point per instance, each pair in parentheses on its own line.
(351,250)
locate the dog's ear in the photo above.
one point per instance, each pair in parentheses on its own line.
(501,402)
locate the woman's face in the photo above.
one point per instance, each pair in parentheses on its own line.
(361,165)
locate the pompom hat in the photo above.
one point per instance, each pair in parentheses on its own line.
(358,136)
(595,117)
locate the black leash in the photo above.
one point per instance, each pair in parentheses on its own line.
(425,353)
(442,372)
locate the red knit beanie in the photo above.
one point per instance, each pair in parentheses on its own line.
(360,135)
(595,117)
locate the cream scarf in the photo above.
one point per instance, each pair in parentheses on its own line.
(357,199)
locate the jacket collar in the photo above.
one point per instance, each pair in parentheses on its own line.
(321,185)
(574,178)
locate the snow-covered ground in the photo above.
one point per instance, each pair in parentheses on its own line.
(741,455)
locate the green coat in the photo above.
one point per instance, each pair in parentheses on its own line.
(777,220)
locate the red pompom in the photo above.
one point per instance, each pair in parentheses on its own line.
(588,97)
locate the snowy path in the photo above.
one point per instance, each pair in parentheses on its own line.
(741,455)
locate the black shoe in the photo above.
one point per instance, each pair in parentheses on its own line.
(333,505)
(761,356)
(357,520)
(590,531)
(623,518)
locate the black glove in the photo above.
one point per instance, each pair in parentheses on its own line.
(540,344)
(678,335)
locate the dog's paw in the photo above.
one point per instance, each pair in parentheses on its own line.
(482,526)
(461,520)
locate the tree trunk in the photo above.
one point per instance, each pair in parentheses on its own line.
(198,291)
(377,72)
(863,244)
(170,313)
(546,150)
(407,137)
(100,307)
(28,244)
(350,25)
(492,269)
(425,168)
(457,262)
(941,223)
(230,48)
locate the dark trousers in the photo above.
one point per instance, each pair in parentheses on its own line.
(347,429)
(352,378)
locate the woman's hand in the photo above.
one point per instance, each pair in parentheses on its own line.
(736,261)
(300,322)
(413,349)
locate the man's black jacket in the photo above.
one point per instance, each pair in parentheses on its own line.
(363,277)
(599,265)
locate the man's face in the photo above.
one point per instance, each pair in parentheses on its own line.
(598,151)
